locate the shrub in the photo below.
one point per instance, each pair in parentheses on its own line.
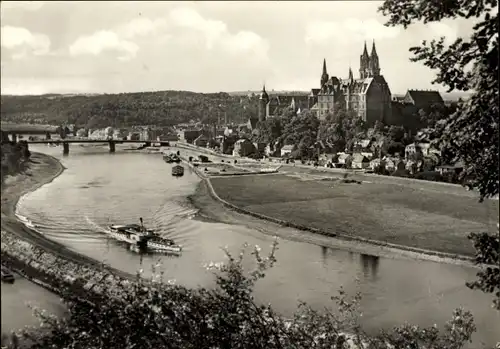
(154,314)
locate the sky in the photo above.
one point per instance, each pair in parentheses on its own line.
(132,46)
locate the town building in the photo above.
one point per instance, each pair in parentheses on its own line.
(189,136)
(423,99)
(286,150)
(368,96)
(424,148)
(201,141)
(270,106)
(243,147)
(360,161)
(405,110)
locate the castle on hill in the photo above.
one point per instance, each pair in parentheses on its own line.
(369,96)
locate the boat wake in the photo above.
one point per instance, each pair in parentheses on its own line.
(27,222)
(95,226)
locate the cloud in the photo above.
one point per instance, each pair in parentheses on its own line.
(216,34)
(23,42)
(189,29)
(351,29)
(440,29)
(23,5)
(104,41)
(142,27)
(39,86)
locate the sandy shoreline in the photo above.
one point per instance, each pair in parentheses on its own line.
(43,169)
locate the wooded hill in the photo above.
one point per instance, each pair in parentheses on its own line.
(163,108)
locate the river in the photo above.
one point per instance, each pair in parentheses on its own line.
(99,189)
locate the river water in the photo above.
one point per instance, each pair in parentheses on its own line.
(99,189)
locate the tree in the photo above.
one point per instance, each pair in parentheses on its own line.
(269,130)
(428,117)
(488,247)
(465,65)
(396,148)
(342,129)
(301,129)
(471,133)
(396,133)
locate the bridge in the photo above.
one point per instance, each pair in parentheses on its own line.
(12,131)
(112,142)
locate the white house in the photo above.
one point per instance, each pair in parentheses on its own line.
(360,161)
(286,149)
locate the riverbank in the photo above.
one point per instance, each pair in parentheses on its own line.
(414,220)
(425,222)
(28,253)
(42,170)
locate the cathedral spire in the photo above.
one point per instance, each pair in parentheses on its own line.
(263,95)
(374,61)
(365,51)
(364,63)
(374,51)
(324,75)
(351,78)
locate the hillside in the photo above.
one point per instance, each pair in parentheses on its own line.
(163,108)
(280,92)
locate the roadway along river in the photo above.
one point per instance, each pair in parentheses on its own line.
(100,188)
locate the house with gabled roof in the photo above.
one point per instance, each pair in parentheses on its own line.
(423,99)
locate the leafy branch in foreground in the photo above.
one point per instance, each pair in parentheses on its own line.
(470,135)
(488,255)
(152,313)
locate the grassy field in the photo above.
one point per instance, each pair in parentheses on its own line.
(423,215)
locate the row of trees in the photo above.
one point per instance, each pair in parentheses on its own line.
(340,130)
(14,157)
(127,109)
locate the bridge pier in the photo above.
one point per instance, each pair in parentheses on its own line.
(13,137)
(111,146)
(65,148)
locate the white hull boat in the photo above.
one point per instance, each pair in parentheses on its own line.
(144,238)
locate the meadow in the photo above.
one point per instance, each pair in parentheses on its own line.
(417,214)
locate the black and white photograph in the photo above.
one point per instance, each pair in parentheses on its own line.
(250,174)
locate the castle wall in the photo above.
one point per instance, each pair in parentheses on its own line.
(378,103)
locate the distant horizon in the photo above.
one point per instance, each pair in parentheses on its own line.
(69,94)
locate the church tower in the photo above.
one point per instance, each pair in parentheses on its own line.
(374,63)
(351,78)
(324,76)
(364,62)
(263,101)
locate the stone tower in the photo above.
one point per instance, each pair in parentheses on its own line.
(263,101)
(374,63)
(324,75)
(364,62)
(369,65)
